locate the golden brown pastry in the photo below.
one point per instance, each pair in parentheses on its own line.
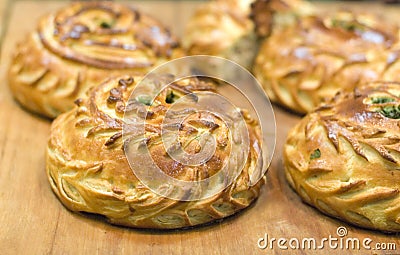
(79,46)
(269,15)
(222,28)
(231,28)
(344,157)
(89,172)
(302,65)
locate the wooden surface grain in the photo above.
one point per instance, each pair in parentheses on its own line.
(3,18)
(33,221)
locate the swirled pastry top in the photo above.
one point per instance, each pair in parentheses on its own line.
(344,157)
(369,116)
(80,45)
(106,35)
(325,55)
(89,171)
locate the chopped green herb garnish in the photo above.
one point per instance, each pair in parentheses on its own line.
(381,100)
(171,97)
(392,112)
(144,99)
(347,25)
(104,24)
(316,154)
(389,111)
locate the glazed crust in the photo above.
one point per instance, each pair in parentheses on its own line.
(89,172)
(325,55)
(344,157)
(81,45)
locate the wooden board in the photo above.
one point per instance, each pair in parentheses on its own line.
(33,221)
(3,4)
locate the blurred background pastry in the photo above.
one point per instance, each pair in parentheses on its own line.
(229,29)
(344,157)
(78,46)
(269,15)
(308,62)
(222,28)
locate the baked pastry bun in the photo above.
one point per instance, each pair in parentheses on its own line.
(79,46)
(324,55)
(222,28)
(89,171)
(344,157)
